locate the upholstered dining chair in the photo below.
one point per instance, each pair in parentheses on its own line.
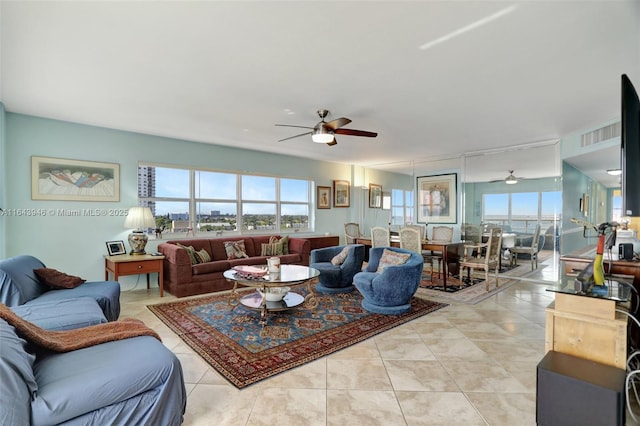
(439,233)
(411,239)
(483,259)
(380,237)
(351,232)
(531,250)
(421,228)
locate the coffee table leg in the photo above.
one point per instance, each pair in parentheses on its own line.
(310,300)
(234,297)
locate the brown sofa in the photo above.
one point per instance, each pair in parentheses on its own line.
(181,278)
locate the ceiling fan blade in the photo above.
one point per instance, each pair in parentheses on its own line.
(289,125)
(353,132)
(333,142)
(296,136)
(338,122)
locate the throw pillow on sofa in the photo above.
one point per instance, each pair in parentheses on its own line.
(57,279)
(275,247)
(191,252)
(235,249)
(391,258)
(202,256)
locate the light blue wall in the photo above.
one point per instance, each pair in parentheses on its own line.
(3,181)
(574,185)
(76,244)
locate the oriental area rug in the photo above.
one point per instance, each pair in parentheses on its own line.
(234,343)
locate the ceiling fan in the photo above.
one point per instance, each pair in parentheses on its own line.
(509,180)
(324,132)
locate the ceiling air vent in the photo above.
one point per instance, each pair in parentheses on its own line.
(602,134)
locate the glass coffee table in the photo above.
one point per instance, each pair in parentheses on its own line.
(289,276)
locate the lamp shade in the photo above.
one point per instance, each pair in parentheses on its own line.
(139,218)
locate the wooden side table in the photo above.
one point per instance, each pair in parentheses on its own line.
(126,264)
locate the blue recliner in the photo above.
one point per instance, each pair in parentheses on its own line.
(337,278)
(390,291)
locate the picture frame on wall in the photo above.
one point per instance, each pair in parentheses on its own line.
(375,196)
(115,247)
(341,193)
(74,180)
(324,197)
(437,197)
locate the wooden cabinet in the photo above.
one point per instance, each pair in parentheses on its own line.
(133,265)
(323,241)
(588,328)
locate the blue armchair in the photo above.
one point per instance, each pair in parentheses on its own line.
(390,291)
(337,278)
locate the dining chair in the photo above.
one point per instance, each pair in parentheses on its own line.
(421,228)
(351,232)
(411,239)
(439,233)
(531,250)
(380,237)
(483,259)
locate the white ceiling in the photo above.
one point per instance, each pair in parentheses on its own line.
(434,78)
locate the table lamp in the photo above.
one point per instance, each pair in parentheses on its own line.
(138,219)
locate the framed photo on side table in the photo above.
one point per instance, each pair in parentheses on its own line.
(115,247)
(437,198)
(324,197)
(341,196)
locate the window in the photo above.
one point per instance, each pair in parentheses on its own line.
(209,201)
(616,206)
(402,207)
(522,211)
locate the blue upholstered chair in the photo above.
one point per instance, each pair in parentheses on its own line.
(390,291)
(337,278)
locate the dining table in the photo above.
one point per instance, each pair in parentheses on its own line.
(450,251)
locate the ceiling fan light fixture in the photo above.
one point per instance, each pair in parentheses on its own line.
(322,136)
(511,180)
(614,172)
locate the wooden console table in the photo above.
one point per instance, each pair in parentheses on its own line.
(126,264)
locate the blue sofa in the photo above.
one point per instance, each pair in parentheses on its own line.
(133,381)
(390,291)
(55,309)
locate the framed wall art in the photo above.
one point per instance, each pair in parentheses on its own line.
(437,198)
(74,180)
(341,196)
(375,196)
(324,197)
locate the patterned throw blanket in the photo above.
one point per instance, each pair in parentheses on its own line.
(70,340)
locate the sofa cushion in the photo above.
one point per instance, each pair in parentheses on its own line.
(78,312)
(56,279)
(106,293)
(235,249)
(210,267)
(17,378)
(391,258)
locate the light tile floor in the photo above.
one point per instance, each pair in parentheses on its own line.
(461,365)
